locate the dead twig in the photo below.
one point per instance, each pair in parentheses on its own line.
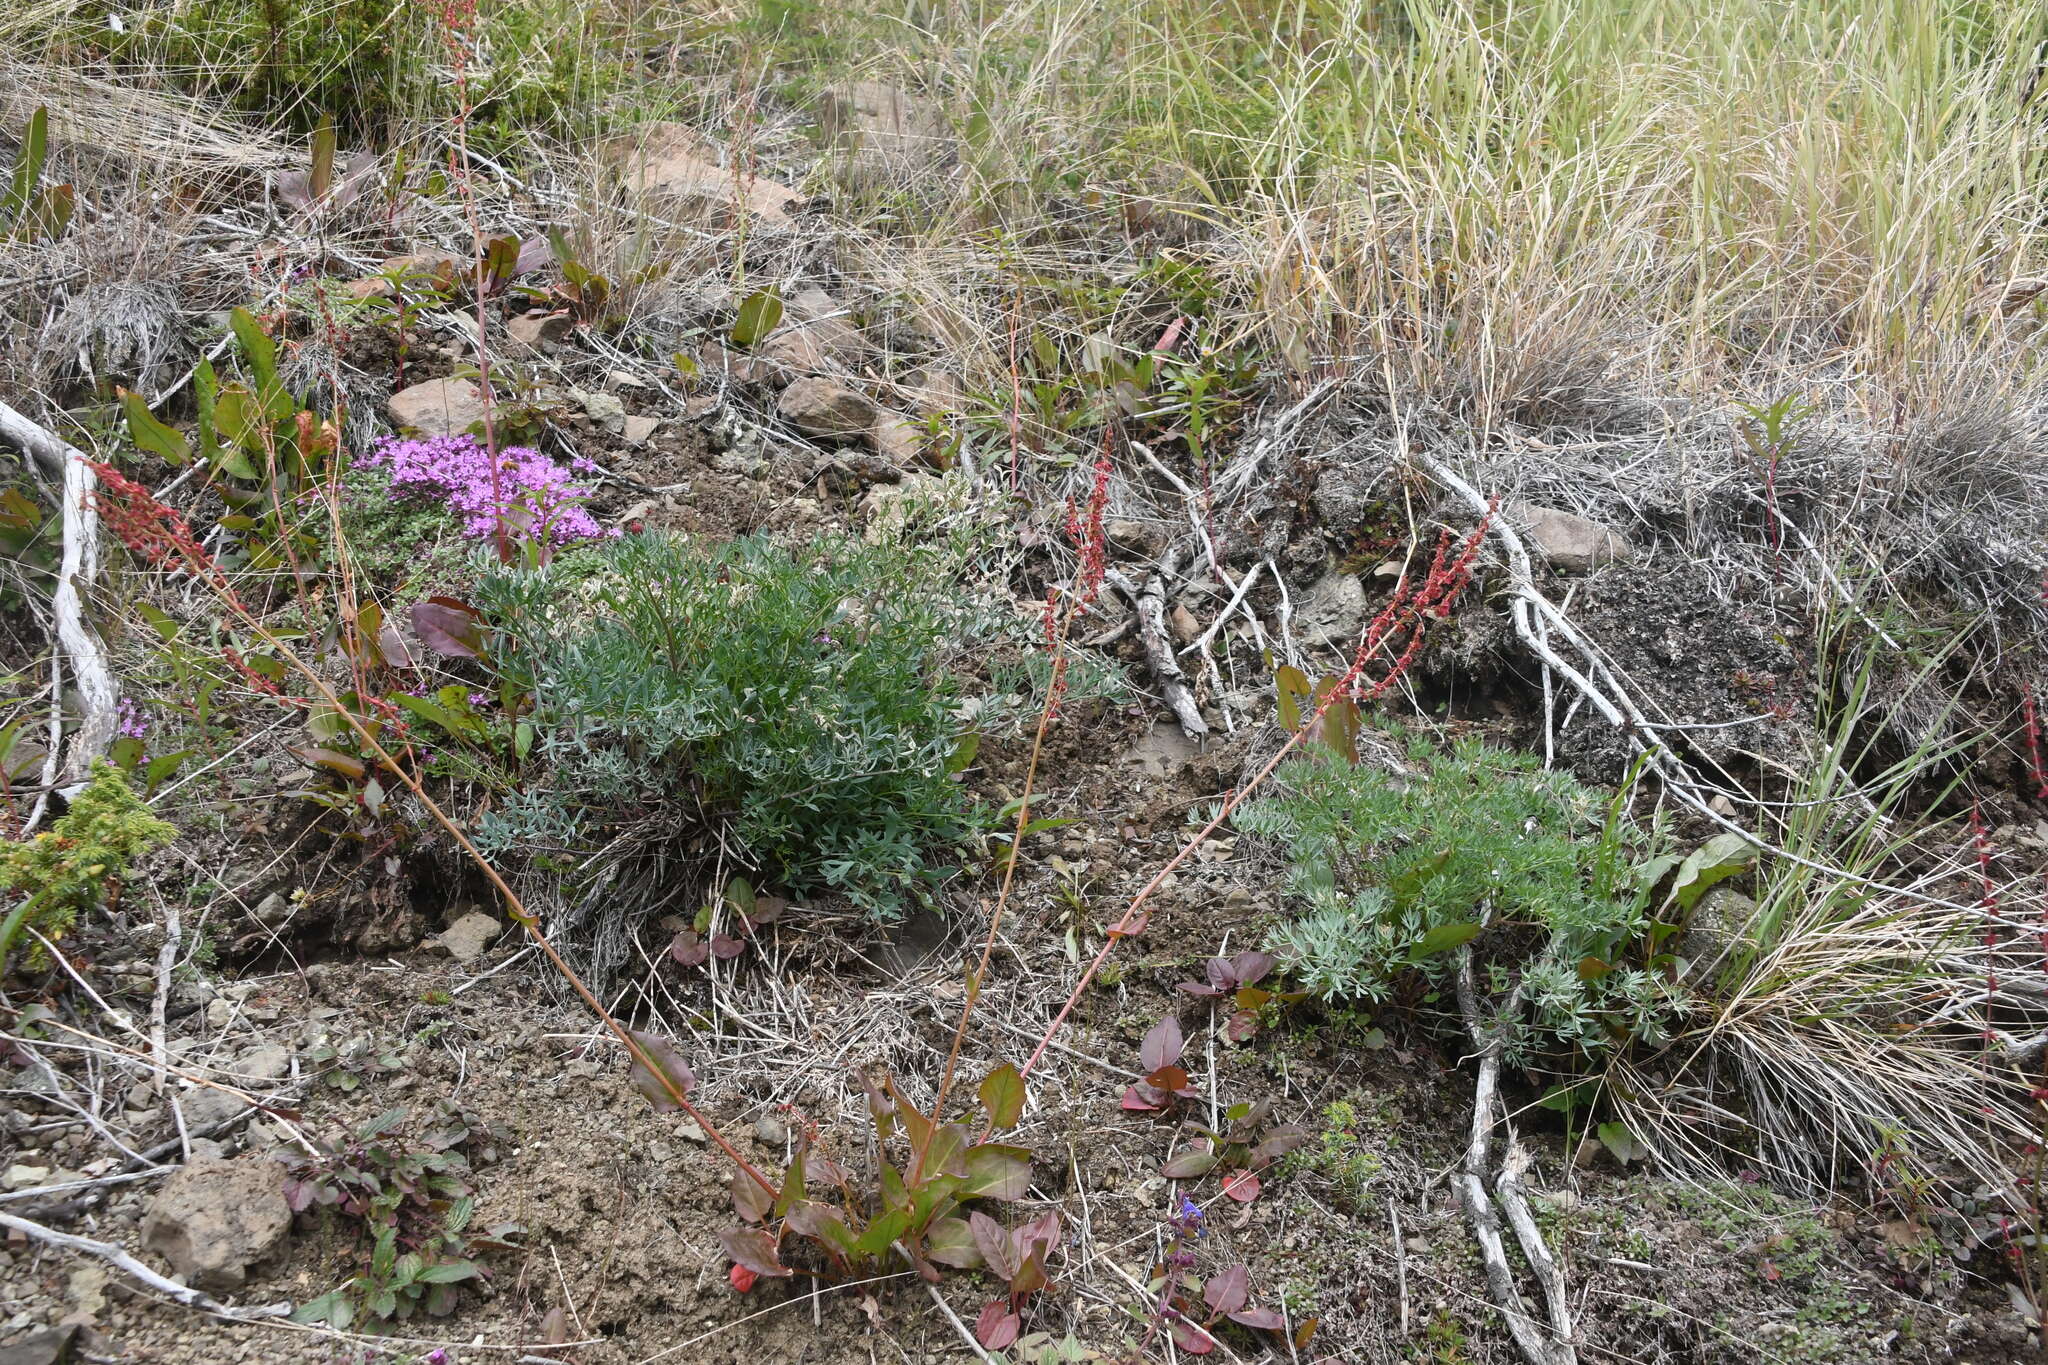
(79,567)
(142,1274)
(1150,608)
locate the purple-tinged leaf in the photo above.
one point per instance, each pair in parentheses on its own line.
(1162,1046)
(749,1200)
(1252,966)
(997,1327)
(1241,1027)
(658,1073)
(1279,1143)
(997,1251)
(1243,1186)
(1200,988)
(754,1249)
(1265,1319)
(1143,1099)
(725,947)
(1191,1339)
(688,948)
(449,627)
(397,652)
(1229,1291)
(1189,1165)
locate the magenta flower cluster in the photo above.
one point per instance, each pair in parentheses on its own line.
(536,499)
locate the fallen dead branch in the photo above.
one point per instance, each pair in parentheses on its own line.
(1149,604)
(142,1274)
(80,566)
(1536,1348)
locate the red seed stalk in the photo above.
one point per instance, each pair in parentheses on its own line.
(2034,765)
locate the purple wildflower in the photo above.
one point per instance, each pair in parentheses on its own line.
(536,496)
(129,722)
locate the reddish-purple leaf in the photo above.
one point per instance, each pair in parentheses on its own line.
(1248,967)
(767,910)
(997,1327)
(449,627)
(994,1241)
(1030,1276)
(655,1060)
(1199,988)
(749,1200)
(1229,1291)
(1265,1319)
(689,949)
(1162,1046)
(725,947)
(1241,1027)
(754,1249)
(1243,1186)
(1191,1338)
(1042,1232)
(1189,1165)
(397,652)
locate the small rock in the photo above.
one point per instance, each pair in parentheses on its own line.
(771,1130)
(675,161)
(532,330)
(827,411)
(26,1177)
(220,1012)
(86,1287)
(272,910)
(886,507)
(439,407)
(371,287)
(1186,629)
(690,1131)
(605,409)
(267,1063)
(207,1109)
(1333,610)
(213,1220)
(51,1347)
(1571,544)
(1136,539)
(640,430)
(466,939)
(897,439)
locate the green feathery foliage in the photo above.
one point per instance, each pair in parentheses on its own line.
(71,866)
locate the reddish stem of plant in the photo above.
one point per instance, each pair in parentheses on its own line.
(2034,765)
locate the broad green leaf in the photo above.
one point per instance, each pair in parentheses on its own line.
(150,434)
(1292,686)
(759,315)
(1621,1143)
(950,1241)
(1718,859)
(1444,938)
(1002,1094)
(257,348)
(997,1172)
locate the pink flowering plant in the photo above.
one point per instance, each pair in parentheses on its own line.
(526,494)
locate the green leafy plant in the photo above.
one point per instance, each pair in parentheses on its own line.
(265,451)
(1240,1152)
(1400,871)
(918,1212)
(80,860)
(31,211)
(412,1201)
(793,703)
